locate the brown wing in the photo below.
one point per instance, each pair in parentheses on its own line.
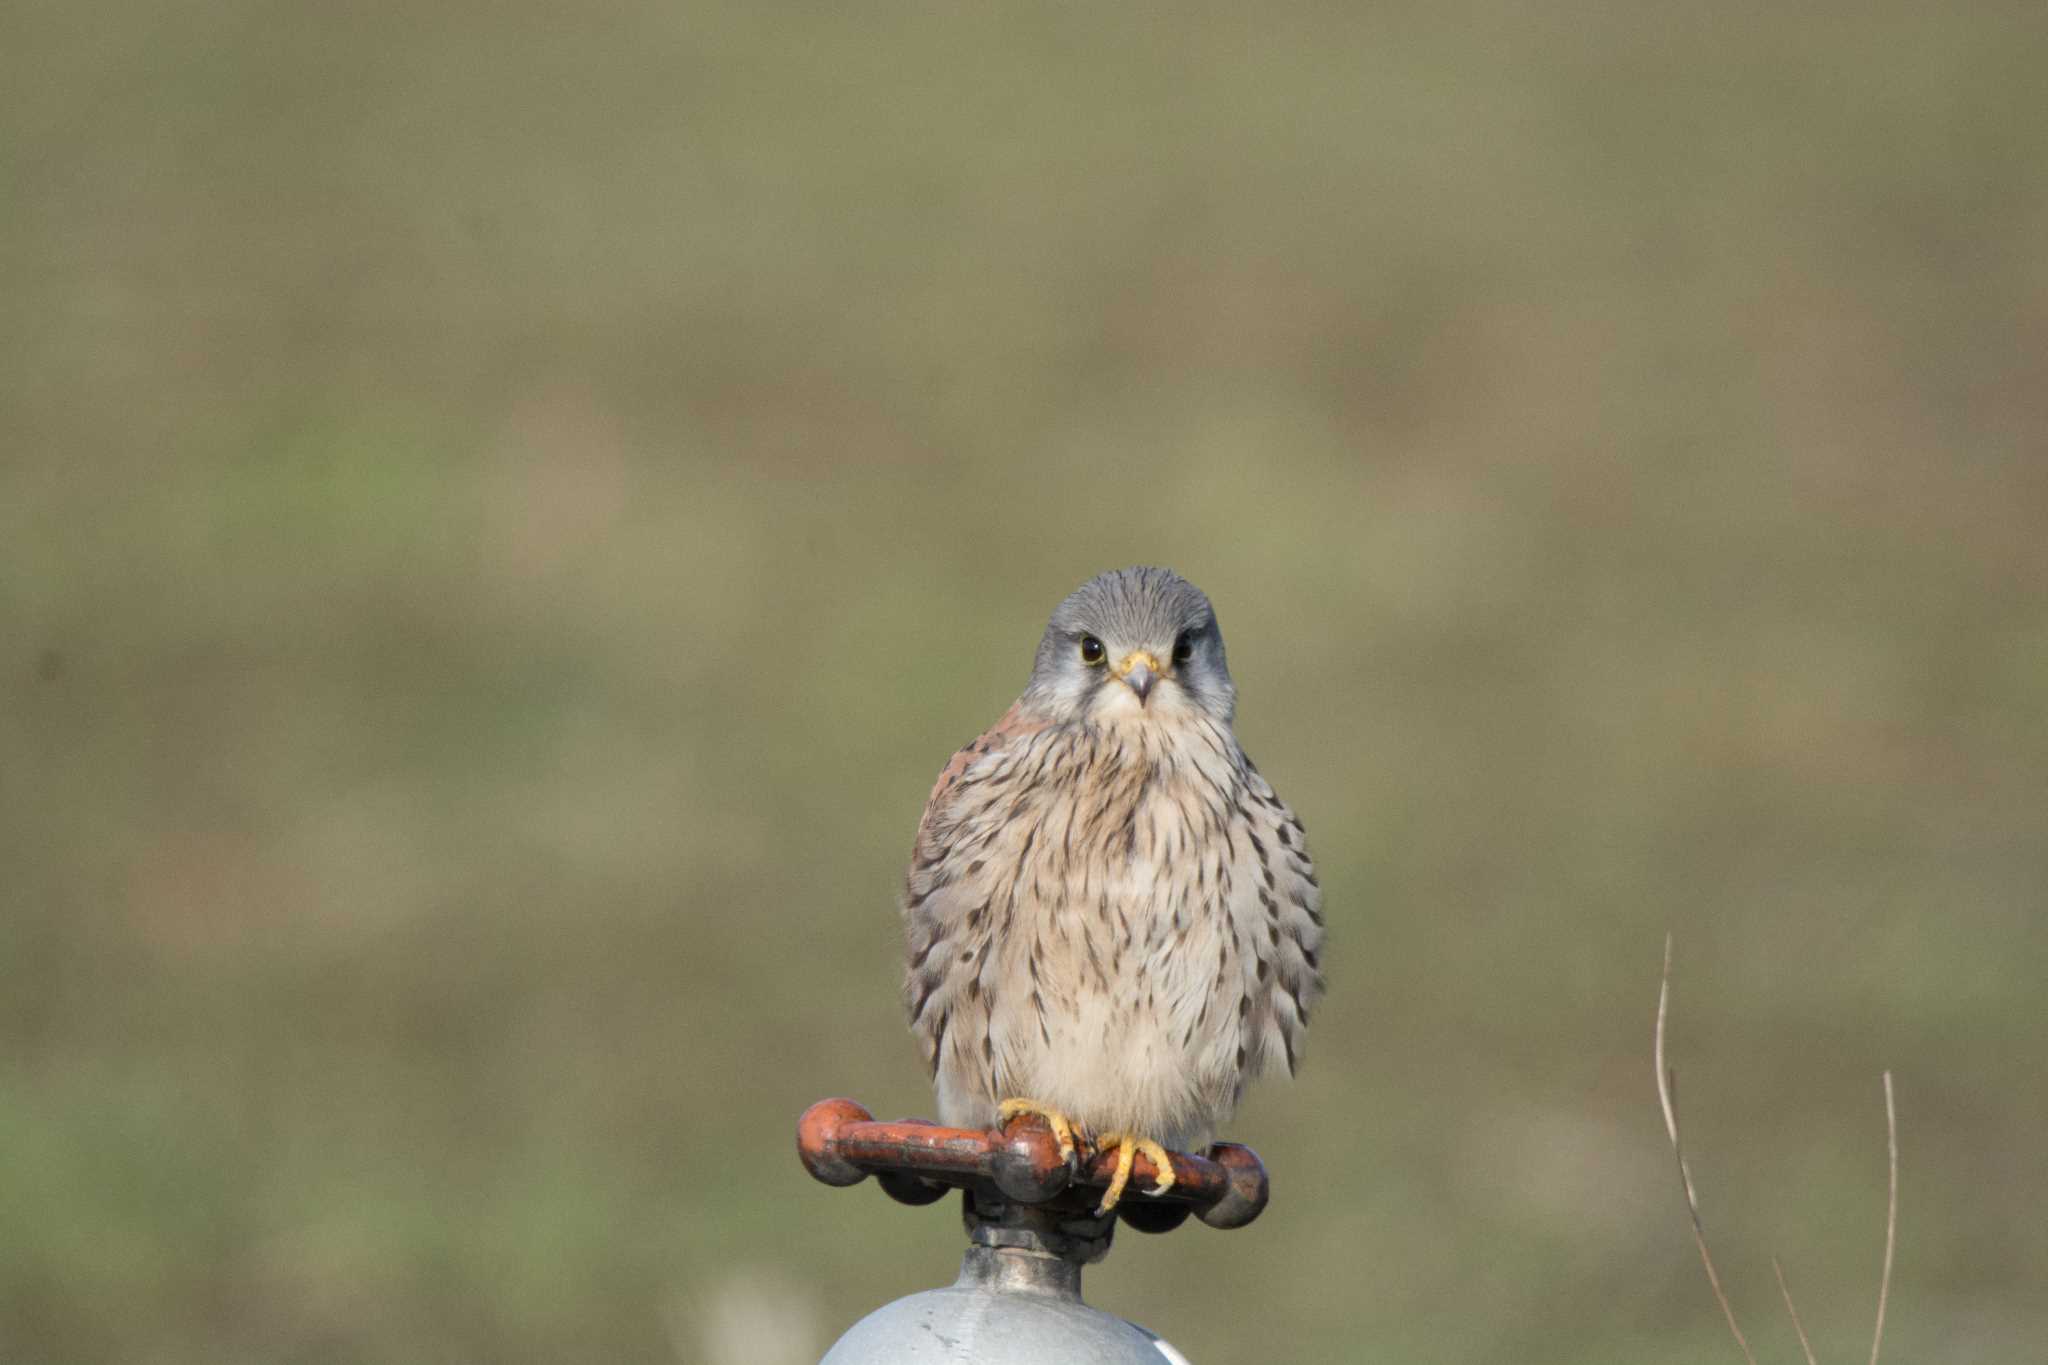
(1012,725)
(1291,905)
(937,916)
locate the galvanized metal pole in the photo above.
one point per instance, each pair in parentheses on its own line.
(1017,1302)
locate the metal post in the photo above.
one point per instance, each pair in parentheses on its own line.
(1031,1226)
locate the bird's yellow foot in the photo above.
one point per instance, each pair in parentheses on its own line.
(1062,1126)
(1128,1145)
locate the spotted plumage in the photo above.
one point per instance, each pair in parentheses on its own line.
(1109,910)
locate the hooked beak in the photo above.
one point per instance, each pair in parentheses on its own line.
(1140,671)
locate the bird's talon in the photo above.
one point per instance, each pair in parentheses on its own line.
(1062,1126)
(1128,1145)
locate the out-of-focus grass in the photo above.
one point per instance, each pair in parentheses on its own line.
(504,509)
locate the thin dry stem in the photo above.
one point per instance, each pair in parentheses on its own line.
(1667,1082)
(1891,1214)
(1786,1290)
(1667,1086)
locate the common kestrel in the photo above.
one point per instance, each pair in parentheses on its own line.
(1112,919)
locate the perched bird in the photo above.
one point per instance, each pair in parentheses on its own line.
(1112,920)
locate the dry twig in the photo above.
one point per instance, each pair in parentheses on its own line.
(1891,1214)
(1786,1290)
(1666,1084)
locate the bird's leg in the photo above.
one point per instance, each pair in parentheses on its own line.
(1128,1145)
(1062,1126)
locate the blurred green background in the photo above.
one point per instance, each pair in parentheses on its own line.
(505,508)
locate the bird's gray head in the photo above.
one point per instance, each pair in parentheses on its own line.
(1130,644)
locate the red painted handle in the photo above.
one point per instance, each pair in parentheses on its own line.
(841,1144)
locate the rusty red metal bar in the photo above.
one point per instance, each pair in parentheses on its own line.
(840,1143)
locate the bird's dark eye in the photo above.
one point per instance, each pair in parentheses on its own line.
(1092,652)
(1184,646)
